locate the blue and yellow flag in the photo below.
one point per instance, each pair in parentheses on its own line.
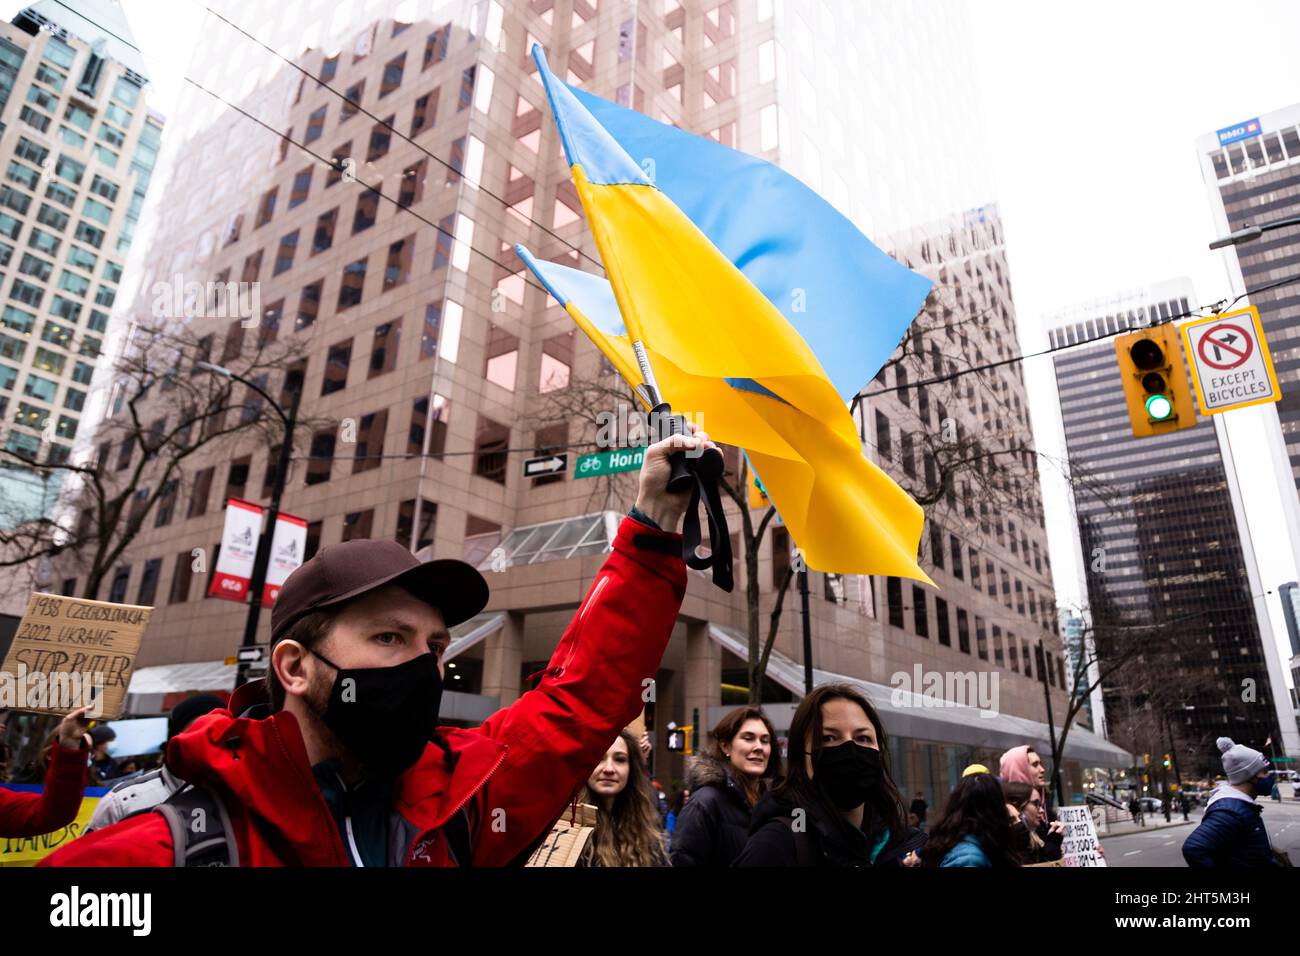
(846,298)
(723,352)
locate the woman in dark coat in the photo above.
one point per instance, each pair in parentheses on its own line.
(838,805)
(726,781)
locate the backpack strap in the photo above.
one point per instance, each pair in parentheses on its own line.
(805,854)
(200,828)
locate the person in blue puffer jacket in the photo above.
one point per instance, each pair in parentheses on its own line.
(1232,831)
(975,827)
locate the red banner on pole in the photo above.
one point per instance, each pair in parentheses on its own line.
(288,544)
(234,568)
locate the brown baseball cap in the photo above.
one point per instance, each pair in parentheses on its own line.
(340,572)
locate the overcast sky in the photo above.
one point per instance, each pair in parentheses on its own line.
(1093,112)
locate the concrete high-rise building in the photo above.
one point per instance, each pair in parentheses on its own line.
(78,143)
(1252,173)
(1291,609)
(1290,594)
(433,367)
(1162,541)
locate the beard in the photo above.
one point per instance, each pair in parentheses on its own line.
(320,686)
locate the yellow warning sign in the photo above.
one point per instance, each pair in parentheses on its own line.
(1230,361)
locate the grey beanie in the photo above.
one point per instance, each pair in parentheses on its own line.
(1240,763)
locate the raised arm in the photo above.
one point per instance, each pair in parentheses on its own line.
(598,677)
(30,814)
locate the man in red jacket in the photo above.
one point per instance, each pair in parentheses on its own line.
(348,768)
(31,814)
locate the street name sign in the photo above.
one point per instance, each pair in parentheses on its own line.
(608,462)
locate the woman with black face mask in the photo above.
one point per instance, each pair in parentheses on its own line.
(838,805)
(1025,840)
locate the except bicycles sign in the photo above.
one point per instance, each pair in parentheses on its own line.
(608,462)
(1231,365)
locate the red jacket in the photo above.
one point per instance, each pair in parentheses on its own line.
(30,814)
(514,774)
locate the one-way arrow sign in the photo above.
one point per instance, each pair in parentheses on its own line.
(251,655)
(552,465)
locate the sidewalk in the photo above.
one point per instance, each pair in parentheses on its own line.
(1124,828)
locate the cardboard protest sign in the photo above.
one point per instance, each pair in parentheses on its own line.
(568,838)
(1079,847)
(72,652)
(28,851)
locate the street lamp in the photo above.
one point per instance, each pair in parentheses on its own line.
(1253,232)
(258,583)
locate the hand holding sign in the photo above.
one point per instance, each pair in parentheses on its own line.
(73,730)
(71,653)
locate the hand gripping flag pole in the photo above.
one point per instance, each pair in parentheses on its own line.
(700,474)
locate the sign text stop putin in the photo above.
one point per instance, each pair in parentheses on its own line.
(1231,365)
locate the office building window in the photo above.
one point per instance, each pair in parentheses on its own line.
(182,574)
(357,524)
(370,441)
(336,367)
(321,457)
(941,621)
(894,598)
(919,611)
(383,351)
(406,517)
(490,444)
(353,284)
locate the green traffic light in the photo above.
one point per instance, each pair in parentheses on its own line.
(1159,407)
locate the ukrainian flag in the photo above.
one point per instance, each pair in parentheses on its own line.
(721,350)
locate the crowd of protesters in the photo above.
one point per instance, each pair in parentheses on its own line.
(337,758)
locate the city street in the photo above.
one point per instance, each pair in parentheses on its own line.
(1163,846)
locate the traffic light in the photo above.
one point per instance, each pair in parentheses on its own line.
(1156,388)
(1167,761)
(679,739)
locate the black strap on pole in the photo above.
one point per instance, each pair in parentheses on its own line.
(701,474)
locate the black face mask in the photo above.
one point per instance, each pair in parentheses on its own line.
(385,715)
(847,773)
